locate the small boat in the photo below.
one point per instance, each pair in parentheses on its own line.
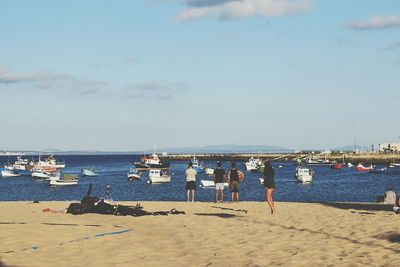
(317,161)
(394,165)
(64,179)
(43,173)
(133,174)
(89,172)
(349,165)
(209,183)
(381,170)
(196,166)
(159,176)
(303,174)
(362,168)
(9,173)
(336,166)
(253,164)
(209,171)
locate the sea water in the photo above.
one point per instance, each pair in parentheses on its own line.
(344,185)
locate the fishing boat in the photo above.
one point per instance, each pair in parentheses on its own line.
(49,162)
(64,179)
(9,173)
(159,176)
(362,168)
(209,183)
(151,162)
(89,172)
(304,174)
(42,173)
(133,174)
(252,164)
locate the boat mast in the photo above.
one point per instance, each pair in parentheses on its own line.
(355,132)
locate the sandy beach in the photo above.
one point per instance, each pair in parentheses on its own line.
(209,234)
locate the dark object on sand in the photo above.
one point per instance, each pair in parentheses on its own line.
(93,204)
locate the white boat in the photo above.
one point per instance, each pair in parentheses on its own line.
(196,166)
(42,173)
(9,173)
(349,165)
(151,162)
(159,176)
(50,162)
(303,174)
(133,174)
(317,161)
(64,179)
(89,172)
(209,183)
(209,171)
(253,164)
(394,165)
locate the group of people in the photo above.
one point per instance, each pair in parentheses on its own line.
(233,177)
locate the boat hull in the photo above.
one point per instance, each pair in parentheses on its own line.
(8,173)
(210,184)
(159,179)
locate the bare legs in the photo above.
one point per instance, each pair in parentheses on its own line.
(233,196)
(188,194)
(268,198)
(216,195)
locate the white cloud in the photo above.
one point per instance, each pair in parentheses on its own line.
(48,80)
(155,89)
(232,9)
(376,22)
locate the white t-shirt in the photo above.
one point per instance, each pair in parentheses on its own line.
(390,197)
(190,174)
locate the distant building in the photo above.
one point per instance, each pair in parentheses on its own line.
(389,147)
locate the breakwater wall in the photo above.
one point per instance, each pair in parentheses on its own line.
(354,158)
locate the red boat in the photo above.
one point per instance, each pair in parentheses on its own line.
(362,168)
(336,166)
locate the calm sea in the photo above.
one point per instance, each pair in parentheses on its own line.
(328,185)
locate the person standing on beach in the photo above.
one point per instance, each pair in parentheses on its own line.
(233,179)
(269,184)
(190,181)
(219,180)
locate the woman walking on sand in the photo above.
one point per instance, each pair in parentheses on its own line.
(269,184)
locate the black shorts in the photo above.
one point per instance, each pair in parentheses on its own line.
(269,182)
(191,185)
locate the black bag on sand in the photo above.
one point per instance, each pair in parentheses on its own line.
(76,208)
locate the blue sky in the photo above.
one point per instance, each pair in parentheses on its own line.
(128,75)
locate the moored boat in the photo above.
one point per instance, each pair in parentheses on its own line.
(9,173)
(89,172)
(377,171)
(209,171)
(159,176)
(304,174)
(133,174)
(196,166)
(64,179)
(362,168)
(209,183)
(317,161)
(336,166)
(253,164)
(151,162)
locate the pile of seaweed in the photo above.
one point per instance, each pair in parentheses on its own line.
(94,204)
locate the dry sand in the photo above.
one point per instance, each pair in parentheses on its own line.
(229,234)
